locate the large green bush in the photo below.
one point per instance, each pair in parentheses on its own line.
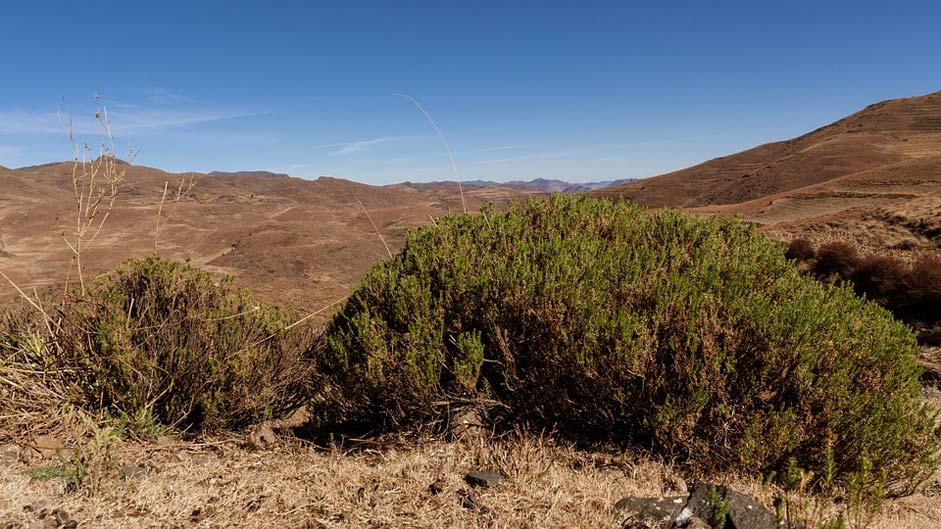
(163,339)
(695,337)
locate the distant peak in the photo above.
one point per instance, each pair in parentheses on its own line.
(250,174)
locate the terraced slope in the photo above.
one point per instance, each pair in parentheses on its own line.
(873,178)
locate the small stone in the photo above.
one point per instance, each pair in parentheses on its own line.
(261,436)
(483,479)
(10,453)
(71,524)
(47,445)
(132,471)
(678,484)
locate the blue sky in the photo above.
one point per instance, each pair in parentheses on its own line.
(574,90)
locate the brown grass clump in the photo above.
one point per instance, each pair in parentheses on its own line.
(923,288)
(32,387)
(836,258)
(801,250)
(910,290)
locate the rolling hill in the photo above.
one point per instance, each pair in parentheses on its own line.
(300,242)
(873,178)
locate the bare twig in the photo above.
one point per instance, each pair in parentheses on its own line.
(95,183)
(457,175)
(159,212)
(182,191)
(298,322)
(379,233)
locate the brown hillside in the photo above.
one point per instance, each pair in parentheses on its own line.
(298,242)
(881,134)
(873,178)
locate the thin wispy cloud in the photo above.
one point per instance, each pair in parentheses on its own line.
(458,154)
(161,95)
(350,147)
(10,152)
(123,119)
(591,149)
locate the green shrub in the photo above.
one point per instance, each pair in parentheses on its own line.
(164,340)
(695,337)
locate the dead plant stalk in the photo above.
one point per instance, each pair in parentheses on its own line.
(95,184)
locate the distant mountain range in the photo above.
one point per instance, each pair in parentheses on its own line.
(252,174)
(872,179)
(539,184)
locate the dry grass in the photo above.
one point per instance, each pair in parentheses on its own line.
(547,486)
(222,485)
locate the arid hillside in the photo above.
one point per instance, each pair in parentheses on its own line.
(299,242)
(872,178)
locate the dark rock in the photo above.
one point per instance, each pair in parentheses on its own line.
(744,512)
(71,524)
(657,509)
(483,479)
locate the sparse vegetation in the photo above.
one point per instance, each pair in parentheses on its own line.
(691,336)
(911,291)
(719,510)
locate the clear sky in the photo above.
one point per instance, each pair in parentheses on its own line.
(577,90)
